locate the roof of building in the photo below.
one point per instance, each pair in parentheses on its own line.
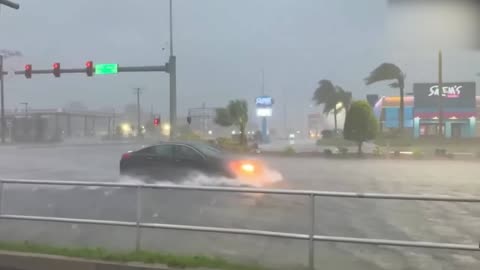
(408,101)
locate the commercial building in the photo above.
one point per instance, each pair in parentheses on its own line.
(457,103)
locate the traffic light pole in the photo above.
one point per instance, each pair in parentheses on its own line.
(173,96)
(172,70)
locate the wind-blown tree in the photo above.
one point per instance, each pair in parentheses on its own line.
(386,72)
(236,114)
(333,98)
(360,124)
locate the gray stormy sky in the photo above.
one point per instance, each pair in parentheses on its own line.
(221,47)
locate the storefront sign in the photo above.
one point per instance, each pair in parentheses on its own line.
(447,91)
(458,95)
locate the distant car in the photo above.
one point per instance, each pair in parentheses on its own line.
(175,161)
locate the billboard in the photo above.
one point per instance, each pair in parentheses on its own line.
(457,95)
(264,112)
(264,102)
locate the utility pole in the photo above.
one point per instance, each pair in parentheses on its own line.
(2,105)
(138,91)
(285,112)
(441,129)
(26,108)
(172,70)
(264,119)
(204,118)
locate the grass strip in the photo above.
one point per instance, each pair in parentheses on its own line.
(142,256)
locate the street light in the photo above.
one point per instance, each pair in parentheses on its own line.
(4,54)
(9,4)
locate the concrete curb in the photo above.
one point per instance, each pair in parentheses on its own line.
(29,261)
(369,156)
(64,145)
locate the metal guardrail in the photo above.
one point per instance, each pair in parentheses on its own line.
(311,237)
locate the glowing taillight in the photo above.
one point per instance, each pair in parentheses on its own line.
(126,156)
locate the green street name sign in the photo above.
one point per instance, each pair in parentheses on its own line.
(101,69)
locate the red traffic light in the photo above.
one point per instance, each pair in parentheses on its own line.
(89,68)
(156,121)
(56,69)
(28,71)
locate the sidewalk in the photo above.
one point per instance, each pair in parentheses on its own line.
(77,142)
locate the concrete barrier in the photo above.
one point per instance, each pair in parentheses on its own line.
(28,261)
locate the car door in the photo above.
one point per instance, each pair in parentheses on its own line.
(188,160)
(161,165)
(141,161)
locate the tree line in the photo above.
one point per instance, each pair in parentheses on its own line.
(360,123)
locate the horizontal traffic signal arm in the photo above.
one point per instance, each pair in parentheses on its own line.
(83,70)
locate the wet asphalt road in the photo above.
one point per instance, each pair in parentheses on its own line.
(427,221)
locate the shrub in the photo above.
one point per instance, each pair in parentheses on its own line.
(231,145)
(328,152)
(418,154)
(378,151)
(289,151)
(360,124)
(328,133)
(343,150)
(439,152)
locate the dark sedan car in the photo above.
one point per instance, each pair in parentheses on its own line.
(175,161)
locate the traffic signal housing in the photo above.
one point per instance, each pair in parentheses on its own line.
(156,121)
(89,68)
(56,69)
(189,119)
(28,71)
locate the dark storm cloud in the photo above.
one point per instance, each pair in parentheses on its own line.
(438,23)
(221,46)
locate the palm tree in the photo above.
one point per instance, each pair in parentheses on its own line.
(388,71)
(334,98)
(236,113)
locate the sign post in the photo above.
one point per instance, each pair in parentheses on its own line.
(264,106)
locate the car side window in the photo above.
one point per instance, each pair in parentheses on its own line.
(147,151)
(186,153)
(163,151)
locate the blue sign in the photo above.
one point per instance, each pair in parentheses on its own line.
(264,101)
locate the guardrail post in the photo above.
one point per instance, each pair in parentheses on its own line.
(138,237)
(311,244)
(1,196)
